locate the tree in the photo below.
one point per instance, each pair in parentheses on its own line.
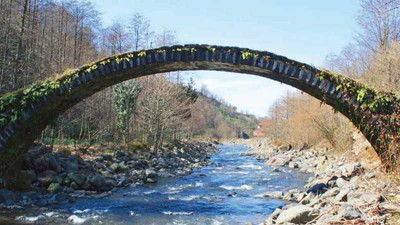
(163,107)
(139,30)
(126,95)
(379,21)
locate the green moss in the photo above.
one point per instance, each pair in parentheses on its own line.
(369,98)
(211,48)
(248,55)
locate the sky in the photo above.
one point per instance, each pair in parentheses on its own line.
(306,31)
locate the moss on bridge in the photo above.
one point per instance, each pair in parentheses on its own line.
(374,112)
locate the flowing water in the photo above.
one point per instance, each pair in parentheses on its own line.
(228,192)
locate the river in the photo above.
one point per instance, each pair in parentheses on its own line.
(230,191)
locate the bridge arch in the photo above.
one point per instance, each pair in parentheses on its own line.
(26,112)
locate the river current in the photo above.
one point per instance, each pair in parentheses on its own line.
(230,191)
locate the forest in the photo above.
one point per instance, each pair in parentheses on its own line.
(372,58)
(42,38)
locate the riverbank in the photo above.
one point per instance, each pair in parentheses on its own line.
(347,187)
(64,175)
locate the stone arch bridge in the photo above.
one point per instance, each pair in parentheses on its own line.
(26,112)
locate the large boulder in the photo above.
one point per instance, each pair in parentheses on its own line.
(298,214)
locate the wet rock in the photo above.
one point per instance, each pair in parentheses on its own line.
(151,180)
(123,182)
(275,169)
(298,214)
(150,173)
(274,194)
(54,188)
(61,197)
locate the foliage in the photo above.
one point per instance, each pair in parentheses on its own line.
(126,95)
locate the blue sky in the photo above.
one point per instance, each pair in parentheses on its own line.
(306,31)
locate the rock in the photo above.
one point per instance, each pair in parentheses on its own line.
(123,182)
(6,196)
(71,166)
(349,212)
(45,162)
(291,195)
(121,156)
(106,157)
(273,216)
(62,197)
(77,178)
(99,183)
(294,165)
(150,173)
(318,189)
(342,195)
(115,167)
(349,170)
(371,198)
(25,179)
(278,160)
(54,188)
(332,181)
(340,182)
(298,214)
(274,194)
(74,186)
(137,175)
(151,180)
(44,181)
(275,169)
(369,175)
(48,173)
(331,192)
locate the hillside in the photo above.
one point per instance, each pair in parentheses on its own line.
(213,117)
